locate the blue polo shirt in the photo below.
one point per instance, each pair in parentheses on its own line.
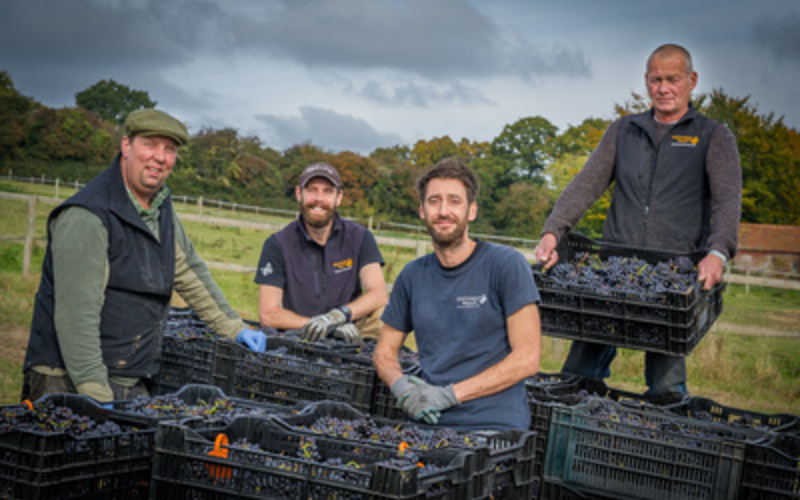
(316,278)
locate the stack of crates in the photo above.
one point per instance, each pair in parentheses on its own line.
(771,466)
(111,461)
(639,451)
(254,457)
(187,354)
(288,373)
(670,323)
(504,460)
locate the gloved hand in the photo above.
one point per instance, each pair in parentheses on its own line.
(322,325)
(253,339)
(426,402)
(400,387)
(347,332)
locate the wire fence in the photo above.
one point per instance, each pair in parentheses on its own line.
(372,223)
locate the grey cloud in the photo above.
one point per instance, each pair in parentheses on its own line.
(780,37)
(141,33)
(435,40)
(411,93)
(446,38)
(325,128)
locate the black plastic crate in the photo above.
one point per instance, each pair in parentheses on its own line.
(555,490)
(702,408)
(207,403)
(109,464)
(624,451)
(772,469)
(670,322)
(277,463)
(550,384)
(187,355)
(507,456)
(384,404)
(287,375)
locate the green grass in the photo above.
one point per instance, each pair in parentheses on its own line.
(772,308)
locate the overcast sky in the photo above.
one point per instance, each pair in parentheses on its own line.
(361,74)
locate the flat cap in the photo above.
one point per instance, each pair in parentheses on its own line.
(320,170)
(148,122)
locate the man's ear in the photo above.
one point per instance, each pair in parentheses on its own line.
(298,193)
(472,213)
(125,146)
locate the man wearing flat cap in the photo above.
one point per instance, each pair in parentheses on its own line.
(116,251)
(321,274)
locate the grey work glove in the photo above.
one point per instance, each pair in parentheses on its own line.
(322,325)
(426,402)
(347,332)
(400,387)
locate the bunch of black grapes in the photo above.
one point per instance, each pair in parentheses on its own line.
(629,276)
(51,418)
(170,405)
(415,437)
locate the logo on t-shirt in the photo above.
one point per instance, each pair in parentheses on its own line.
(343,265)
(267,270)
(686,141)
(470,301)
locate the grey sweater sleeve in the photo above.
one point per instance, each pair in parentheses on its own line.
(586,187)
(724,173)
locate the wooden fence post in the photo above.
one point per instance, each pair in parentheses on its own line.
(200,205)
(56,187)
(29,237)
(421,244)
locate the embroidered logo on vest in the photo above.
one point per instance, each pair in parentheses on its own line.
(685,141)
(343,265)
(267,270)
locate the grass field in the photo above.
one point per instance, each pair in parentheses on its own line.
(750,371)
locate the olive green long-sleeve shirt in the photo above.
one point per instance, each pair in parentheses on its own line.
(79,243)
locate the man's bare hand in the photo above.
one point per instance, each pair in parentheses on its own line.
(546,251)
(709,271)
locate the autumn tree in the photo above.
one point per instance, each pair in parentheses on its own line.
(113,101)
(427,153)
(770,155)
(527,145)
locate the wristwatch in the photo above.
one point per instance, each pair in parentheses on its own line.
(348,314)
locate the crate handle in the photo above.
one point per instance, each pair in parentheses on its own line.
(27,402)
(219,471)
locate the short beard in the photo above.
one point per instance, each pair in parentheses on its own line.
(450,240)
(317,223)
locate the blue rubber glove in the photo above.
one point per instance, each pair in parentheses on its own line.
(253,339)
(426,402)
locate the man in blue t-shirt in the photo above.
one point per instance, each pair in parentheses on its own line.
(321,274)
(472,308)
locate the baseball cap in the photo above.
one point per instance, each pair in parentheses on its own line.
(320,170)
(147,122)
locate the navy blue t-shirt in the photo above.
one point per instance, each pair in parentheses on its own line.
(458,316)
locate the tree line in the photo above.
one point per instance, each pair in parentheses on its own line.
(522,170)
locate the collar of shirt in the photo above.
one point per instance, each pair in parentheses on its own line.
(155,202)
